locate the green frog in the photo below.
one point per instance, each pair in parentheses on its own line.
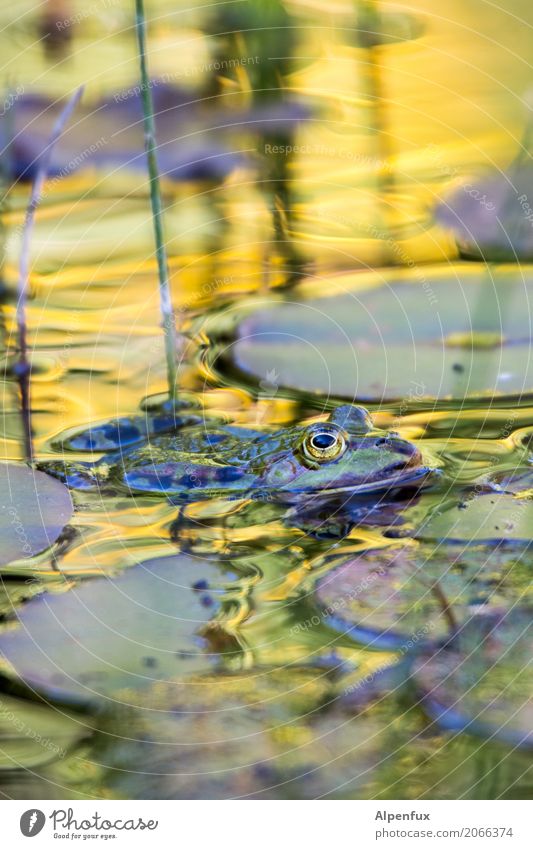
(192,459)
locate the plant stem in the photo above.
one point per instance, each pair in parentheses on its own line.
(169,325)
(24,366)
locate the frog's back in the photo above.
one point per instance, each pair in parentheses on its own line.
(197,460)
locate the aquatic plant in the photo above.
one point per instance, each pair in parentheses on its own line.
(23,368)
(165,297)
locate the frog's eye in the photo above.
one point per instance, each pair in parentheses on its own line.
(324,444)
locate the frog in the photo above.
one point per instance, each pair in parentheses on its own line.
(195,459)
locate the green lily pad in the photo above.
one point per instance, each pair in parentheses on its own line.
(439,335)
(34,509)
(109,634)
(481,681)
(489,518)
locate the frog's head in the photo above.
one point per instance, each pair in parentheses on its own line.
(338,456)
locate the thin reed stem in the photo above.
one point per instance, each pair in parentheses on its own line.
(24,367)
(165,297)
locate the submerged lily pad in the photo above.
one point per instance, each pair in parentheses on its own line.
(412,337)
(390,599)
(405,597)
(257,734)
(481,681)
(105,635)
(34,509)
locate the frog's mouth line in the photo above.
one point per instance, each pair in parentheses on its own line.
(400,479)
(396,481)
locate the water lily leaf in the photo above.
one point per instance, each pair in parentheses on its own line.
(465,335)
(34,509)
(486,518)
(403,597)
(492,217)
(481,681)
(107,634)
(390,599)
(258,734)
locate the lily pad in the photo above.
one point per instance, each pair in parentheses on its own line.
(257,734)
(405,597)
(34,509)
(109,634)
(492,217)
(390,599)
(490,518)
(481,682)
(408,339)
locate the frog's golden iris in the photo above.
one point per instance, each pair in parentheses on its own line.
(324,444)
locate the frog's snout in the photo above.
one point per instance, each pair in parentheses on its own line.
(415,459)
(407,455)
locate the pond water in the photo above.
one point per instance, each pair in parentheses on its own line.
(345,191)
